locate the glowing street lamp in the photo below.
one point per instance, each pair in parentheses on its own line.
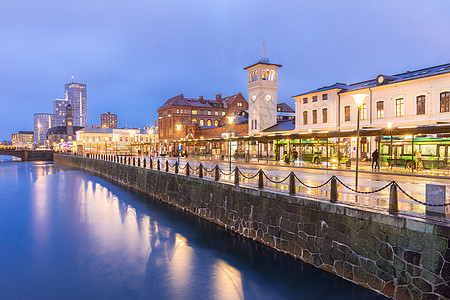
(230,121)
(359,99)
(178,126)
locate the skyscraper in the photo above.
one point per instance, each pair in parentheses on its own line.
(109,120)
(59,110)
(76,94)
(42,123)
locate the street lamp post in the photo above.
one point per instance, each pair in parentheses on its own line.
(359,99)
(230,121)
(178,126)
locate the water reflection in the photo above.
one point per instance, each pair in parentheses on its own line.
(69,234)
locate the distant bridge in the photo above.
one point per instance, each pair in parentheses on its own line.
(29,155)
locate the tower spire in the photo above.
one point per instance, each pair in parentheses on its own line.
(263,49)
(72,78)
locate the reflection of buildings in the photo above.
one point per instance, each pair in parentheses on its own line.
(109,120)
(42,123)
(76,94)
(120,141)
(23,139)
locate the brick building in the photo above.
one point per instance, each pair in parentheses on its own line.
(207,113)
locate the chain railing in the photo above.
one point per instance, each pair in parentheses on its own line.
(291,178)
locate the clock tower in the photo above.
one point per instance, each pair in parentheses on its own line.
(262,95)
(69,122)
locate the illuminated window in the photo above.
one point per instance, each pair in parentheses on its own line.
(208,123)
(314,116)
(363,111)
(347,113)
(268,75)
(178,111)
(216,123)
(253,76)
(305,118)
(380,110)
(399,107)
(239,104)
(194,121)
(209,112)
(194,111)
(420,105)
(202,122)
(324,115)
(445,102)
(223,113)
(216,113)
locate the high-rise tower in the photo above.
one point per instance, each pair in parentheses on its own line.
(59,110)
(262,95)
(76,94)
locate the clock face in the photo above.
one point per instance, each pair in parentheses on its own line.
(69,123)
(254,98)
(268,97)
(380,79)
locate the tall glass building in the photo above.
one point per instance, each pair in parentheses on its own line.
(76,94)
(59,110)
(42,123)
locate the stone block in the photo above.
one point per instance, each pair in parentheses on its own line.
(412,257)
(432,261)
(436,195)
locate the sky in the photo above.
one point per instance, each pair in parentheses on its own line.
(135,54)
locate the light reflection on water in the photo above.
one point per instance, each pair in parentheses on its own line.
(68,234)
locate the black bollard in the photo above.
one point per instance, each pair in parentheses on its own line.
(216,173)
(261,179)
(188,169)
(333,192)
(393,199)
(236,176)
(291,184)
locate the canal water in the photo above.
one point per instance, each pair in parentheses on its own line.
(66,234)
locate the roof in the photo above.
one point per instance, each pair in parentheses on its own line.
(25,132)
(262,63)
(62,130)
(285,107)
(285,114)
(337,85)
(282,126)
(180,100)
(389,79)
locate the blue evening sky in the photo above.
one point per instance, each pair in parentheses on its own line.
(135,54)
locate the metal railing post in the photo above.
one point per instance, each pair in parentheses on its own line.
(216,173)
(333,192)
(236,176)
(151,163)
(200,171)
(393,199)
(292,184)
(167,166)
(139,162)
(261,179)
(187,169)
(145,163)
(158,165)
(134,161)
(176,167)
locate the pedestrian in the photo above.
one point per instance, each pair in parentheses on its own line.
(375,156)
(419,160)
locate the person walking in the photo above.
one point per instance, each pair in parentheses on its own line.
(375,156)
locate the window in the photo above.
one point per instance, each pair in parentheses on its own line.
(194,111)
(314,120)
(347,113)
(110,139)
(253,126)
(126,139)
(209,112)
(325,115)
(324,97)
(178,111)
(380,110)
(181,121)
(399,107)
(253,76)
(216,123)
(445,99)
(268,75)
(305,100)
(208,123)
(216,113)
(420,100)
(305,118)
(314,98)
(194,121)
(239,104)
(201,112)
(363,115)
(279,109)
(223,113)
(256,124)
(202,122)
(121,139)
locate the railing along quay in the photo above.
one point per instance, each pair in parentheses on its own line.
(291,179)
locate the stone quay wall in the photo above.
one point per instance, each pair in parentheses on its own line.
(400,257)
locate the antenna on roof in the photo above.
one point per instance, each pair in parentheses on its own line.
(264,58)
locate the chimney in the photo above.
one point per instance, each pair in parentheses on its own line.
(200,98)
(219,97)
